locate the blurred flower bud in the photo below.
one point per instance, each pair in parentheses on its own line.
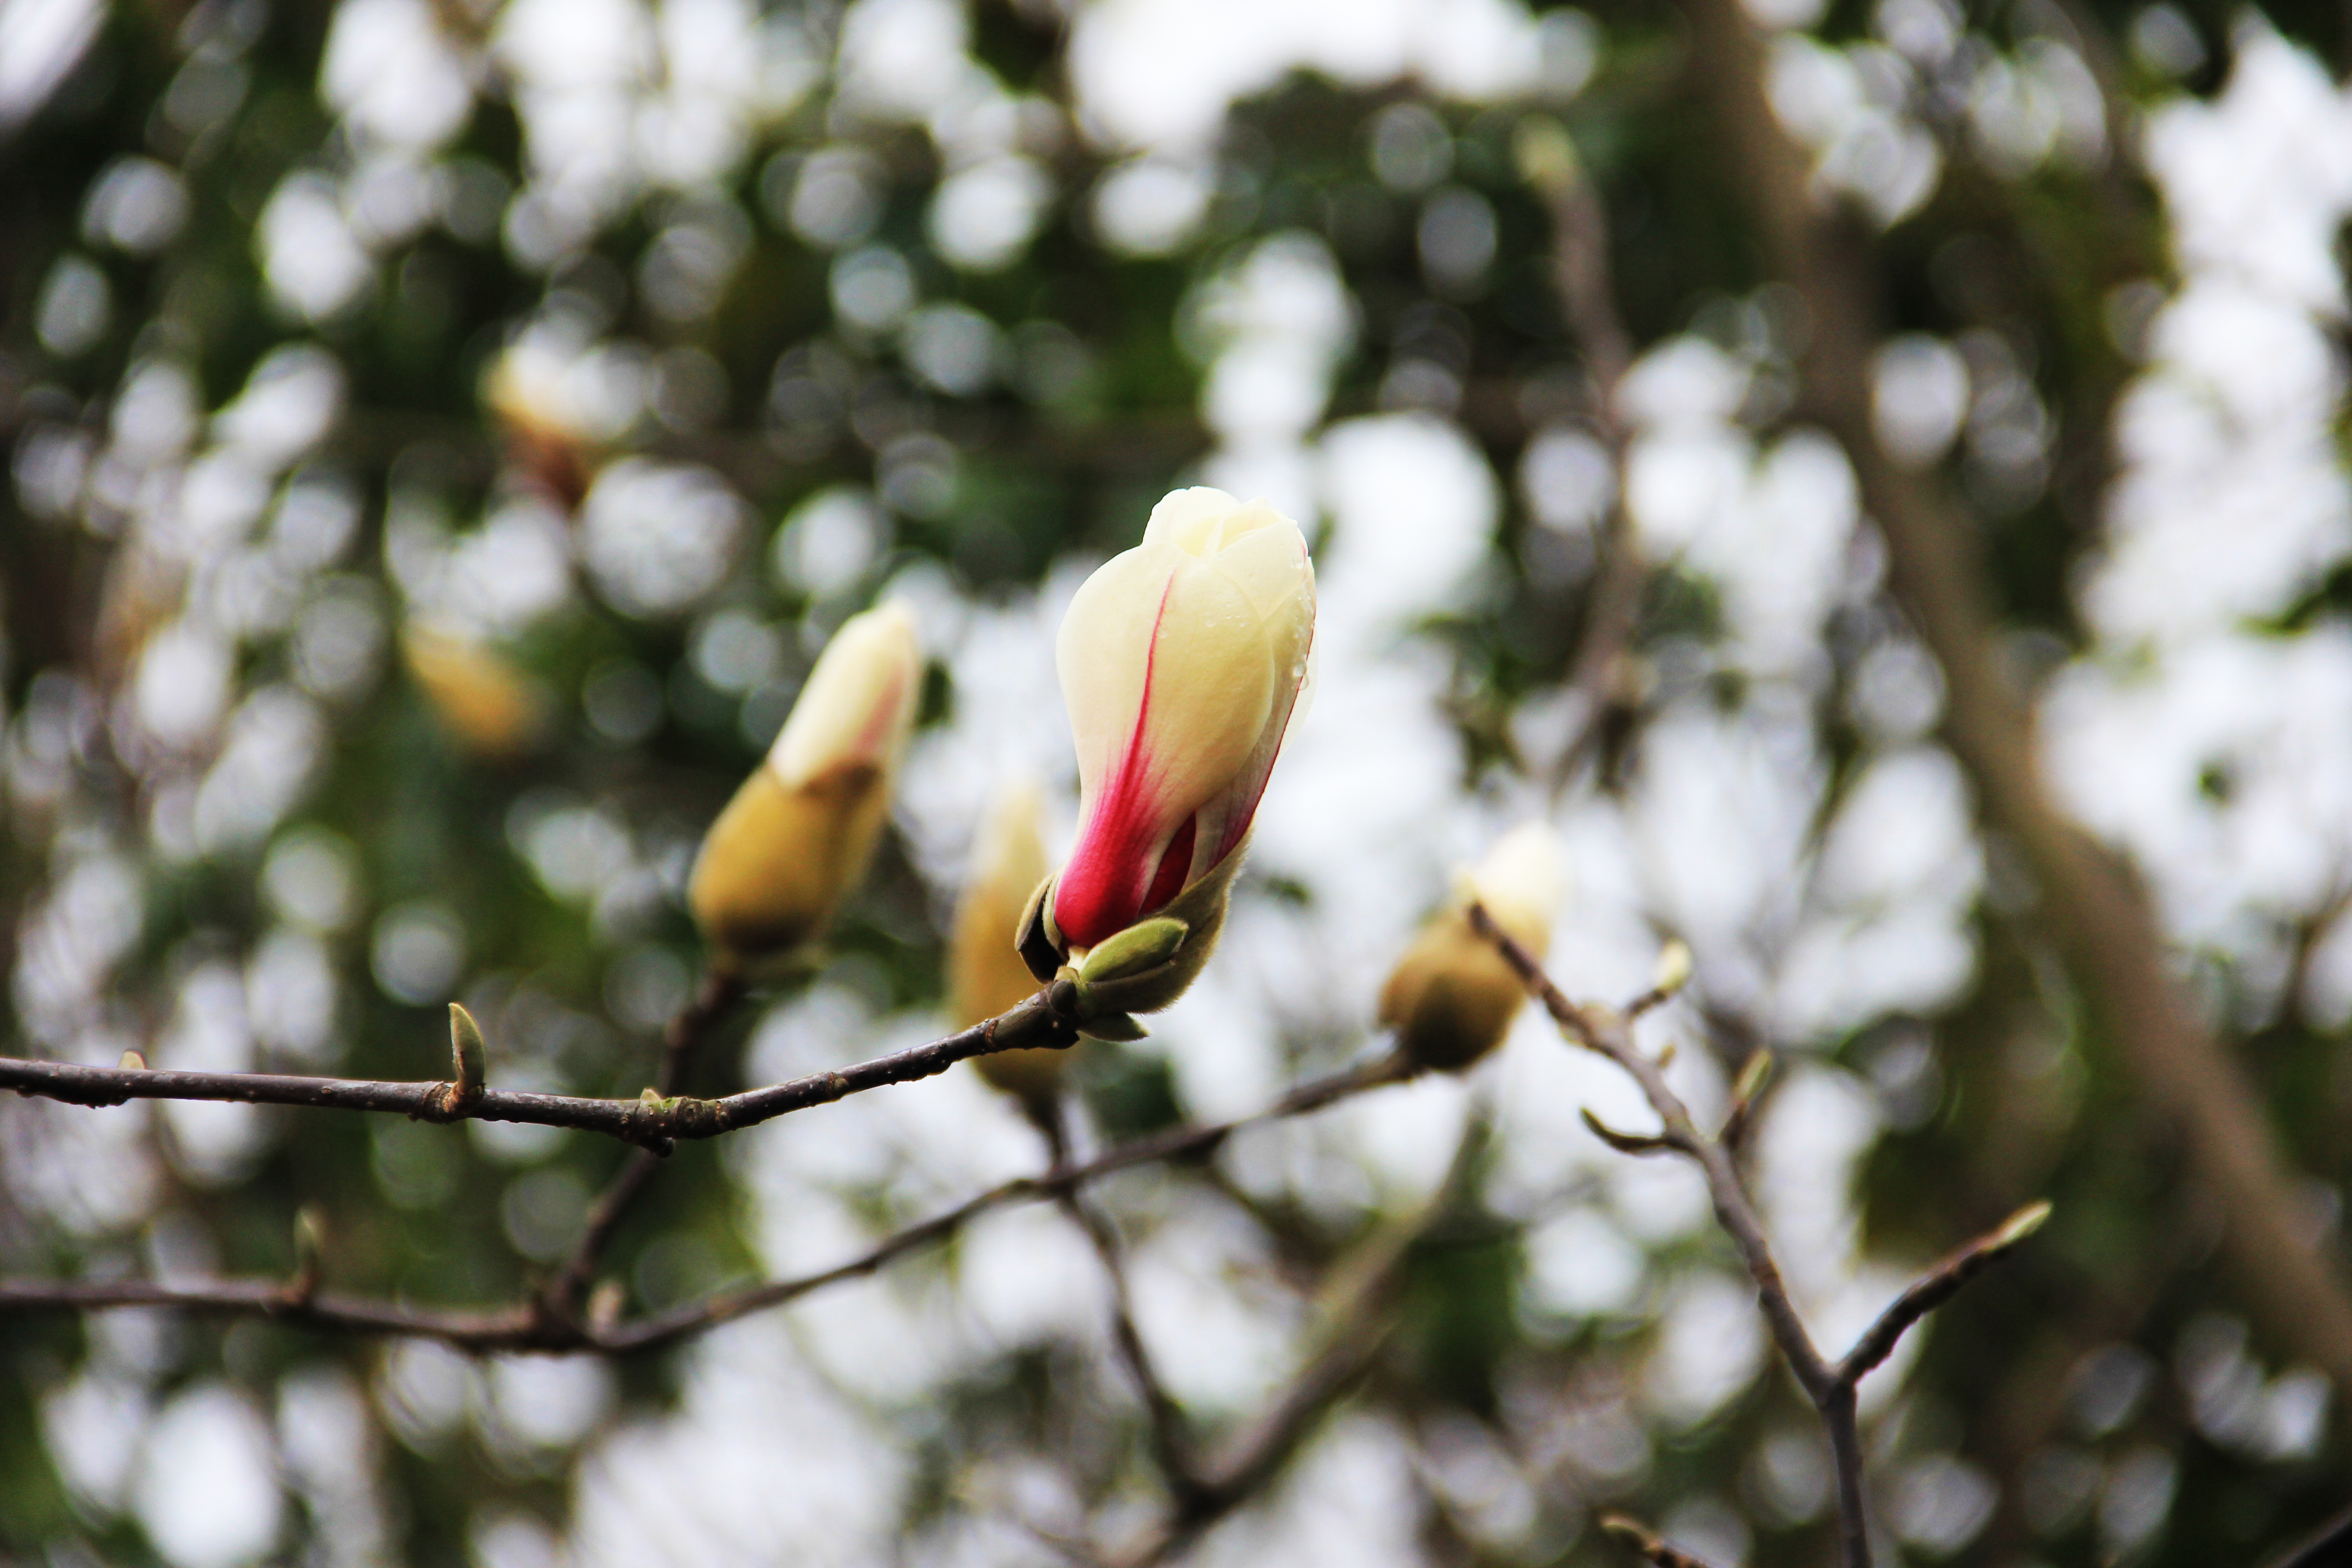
(986,975)
(1673,971)
(798,833)
(494,710)
(1452,997)
(1182,661)
(526,387)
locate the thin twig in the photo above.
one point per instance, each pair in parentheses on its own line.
(1603,1030)
(1588,299)
(1171,1438)
(1353,1333)
(1935,1287)
(1830,1386)
(651,1122)
(527,1326)
(2330,1546)
(715,997)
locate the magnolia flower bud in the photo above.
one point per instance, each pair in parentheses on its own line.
(1452,997)
(494,710)
(798,834)
(986,975)
(1182,662)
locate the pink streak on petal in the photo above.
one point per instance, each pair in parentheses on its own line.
(1102,890)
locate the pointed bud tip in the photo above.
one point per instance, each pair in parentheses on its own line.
(1141,947)
(465,1047)
(1674,969)
(2021,1224)
(1753,1074)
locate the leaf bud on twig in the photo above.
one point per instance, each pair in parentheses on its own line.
(468,1054)
(1673,971)
(1627,1143)
(1753,1074)
(1544,154)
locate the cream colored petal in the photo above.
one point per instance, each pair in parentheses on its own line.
(859,701)
(1522,881)
(1211,687)
(1186,518)
(1105,649)
(1251,518)
(986,973)
(1270,565)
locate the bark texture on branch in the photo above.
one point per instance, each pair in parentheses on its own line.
(1830,1385)
(653,1122)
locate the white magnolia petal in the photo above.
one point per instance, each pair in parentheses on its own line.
(1104,652)
(859,701)
(1270,565)
(1522,880)
(1183,518)
(1211,687)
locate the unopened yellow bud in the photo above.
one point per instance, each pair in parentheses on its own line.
(1452,997)
(798,833)
(986,975)
(1673,971)
(493,708)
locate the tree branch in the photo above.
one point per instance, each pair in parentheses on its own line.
(1935,1287)
(2096,911)
(1588,301)
(528,1326)
(1831,1387)
(653,1122)
(1171,1438)
(1358,1326)
(565,1291)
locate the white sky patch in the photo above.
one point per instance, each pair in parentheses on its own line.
(1162,73)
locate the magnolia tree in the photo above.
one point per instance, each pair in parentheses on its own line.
(729,562)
